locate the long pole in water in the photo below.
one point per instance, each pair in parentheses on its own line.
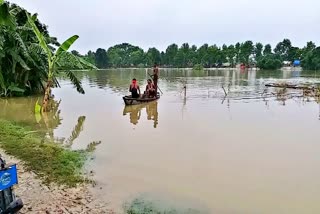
(157,84)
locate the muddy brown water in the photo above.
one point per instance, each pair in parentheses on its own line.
(250,152)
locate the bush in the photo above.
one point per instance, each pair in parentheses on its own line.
(269,62)
(198,67)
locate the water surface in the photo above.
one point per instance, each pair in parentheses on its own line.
(249,152)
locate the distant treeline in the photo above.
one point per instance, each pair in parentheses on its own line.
(247,53)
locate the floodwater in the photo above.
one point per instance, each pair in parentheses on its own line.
(249,152)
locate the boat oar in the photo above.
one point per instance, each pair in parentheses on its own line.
(157,84)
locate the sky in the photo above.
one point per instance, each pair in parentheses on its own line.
(159,23)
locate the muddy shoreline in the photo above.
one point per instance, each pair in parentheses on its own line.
(40,198)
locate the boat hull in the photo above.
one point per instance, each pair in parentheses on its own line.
(128,100)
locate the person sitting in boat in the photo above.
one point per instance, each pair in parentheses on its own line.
(134,89)
(150,89)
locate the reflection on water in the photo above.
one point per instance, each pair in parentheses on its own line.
(21,110)
(152,112)
(254,150)
(134,112)
(76,131)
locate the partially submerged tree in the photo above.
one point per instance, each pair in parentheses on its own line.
(59,60)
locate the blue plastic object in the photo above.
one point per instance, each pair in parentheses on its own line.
(296,62)
(8,177)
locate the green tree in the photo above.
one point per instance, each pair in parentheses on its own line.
(202,55)
(231,55)
(258,50)
(267,50)
(182,57)
(114,58)
(193,59)
(282,49)
(311,60)
(76,53)
(269,62)
(246,49)
(170,55)
(90,57)
(153,56)
(60,60)
(137,57)
(213,56)
(237,51)
(22,63)
(310,46)
(163,58)
(101,59)
(294,53)
(125,55)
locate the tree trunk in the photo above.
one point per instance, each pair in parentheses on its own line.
(47,97)
(47,91)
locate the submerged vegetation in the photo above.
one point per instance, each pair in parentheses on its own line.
(197,67)
(143,206)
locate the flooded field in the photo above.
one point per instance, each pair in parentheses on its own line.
(253,150)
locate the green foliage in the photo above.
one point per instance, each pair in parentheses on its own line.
(126,55)
(198,67)
(76,131)
(66,45)
(37,108)
(282,49)
(269,62)
(49,160)
(5,14)
(258,50)
(142,206)
(76,82)
(92,146)
(61,59)
(101,58)
(153,56)
(246,49)
(90,57)
(311,59)
(42,41)
(267,49)
(27,58)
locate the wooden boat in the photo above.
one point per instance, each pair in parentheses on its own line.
(128,100)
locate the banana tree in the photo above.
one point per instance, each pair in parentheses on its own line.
(14,55)
(60,60)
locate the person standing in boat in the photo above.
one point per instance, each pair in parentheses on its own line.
(155,76)
(150,89)
(134,89)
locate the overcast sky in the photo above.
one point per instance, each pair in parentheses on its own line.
(158,23)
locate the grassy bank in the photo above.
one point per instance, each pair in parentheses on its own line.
(50,161)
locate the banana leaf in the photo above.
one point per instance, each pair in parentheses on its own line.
(37,108)
(38,117)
